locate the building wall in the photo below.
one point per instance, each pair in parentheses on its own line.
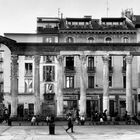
(31,37)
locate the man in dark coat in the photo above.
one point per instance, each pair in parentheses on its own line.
(70,123)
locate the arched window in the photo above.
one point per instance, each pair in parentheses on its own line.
(69,40)
(91,40)
(108,39)
(125,39)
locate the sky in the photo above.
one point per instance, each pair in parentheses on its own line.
(20,16)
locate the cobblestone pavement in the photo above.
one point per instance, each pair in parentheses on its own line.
(88,132)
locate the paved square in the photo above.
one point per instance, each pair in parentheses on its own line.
(96,132)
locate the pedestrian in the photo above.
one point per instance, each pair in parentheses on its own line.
(77,118)
(70,123)
(105,115)
(82,120)
(33,120)
(48,118)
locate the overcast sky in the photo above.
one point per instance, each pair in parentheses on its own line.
(19,16)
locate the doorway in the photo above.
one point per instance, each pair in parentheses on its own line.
(91,106)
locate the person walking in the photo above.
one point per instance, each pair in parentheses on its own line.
(33,120)
(70,123)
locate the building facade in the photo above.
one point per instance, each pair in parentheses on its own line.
(73,63)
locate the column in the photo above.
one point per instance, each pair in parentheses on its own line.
(59,95)
(37,84)
(129,84)
(14,85)
(105,83)
(83,84)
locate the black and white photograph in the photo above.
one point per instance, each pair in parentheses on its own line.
(69,69)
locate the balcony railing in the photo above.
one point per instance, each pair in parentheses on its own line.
(123,69)
(91,69)
(47,30)
(28,73)
(70,69)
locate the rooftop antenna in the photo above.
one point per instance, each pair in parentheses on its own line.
(58,12)
(107,9)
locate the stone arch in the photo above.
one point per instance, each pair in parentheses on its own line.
(11,44)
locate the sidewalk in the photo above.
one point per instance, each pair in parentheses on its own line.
(87,132)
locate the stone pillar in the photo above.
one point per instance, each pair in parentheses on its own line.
(129,84)
(60,83)
(37,84)
(83,84)
(105,83)
(14,85)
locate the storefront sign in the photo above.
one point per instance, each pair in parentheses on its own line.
(92,97)
(70,97)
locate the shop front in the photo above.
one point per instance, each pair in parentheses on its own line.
(92,104)
(71,103)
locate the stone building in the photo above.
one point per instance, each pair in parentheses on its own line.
(72,63)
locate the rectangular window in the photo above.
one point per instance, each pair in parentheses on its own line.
(124,61)
(48,73)
(110,81)
(48,88)
(124,64)
(138,97)
(69,81)
(1,56)
(90,81)
(110,61)
(31,109)
(70,63)
(28,86)
(124,81)
(48,59)
(1,77)
(1,67)
(28,69)
(1,88)
(90,63)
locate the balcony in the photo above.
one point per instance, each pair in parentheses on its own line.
(110,69)
(70,69)
(123,69)
(91,69)
(28,74)
(48,96)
